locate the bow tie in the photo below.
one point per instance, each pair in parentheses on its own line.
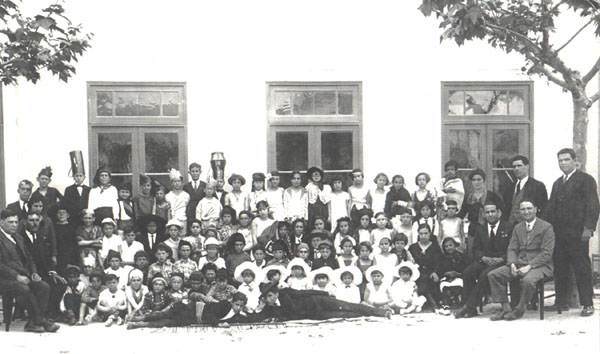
(348,286)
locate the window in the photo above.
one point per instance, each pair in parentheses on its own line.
(314,124)
(137,128)
(485,124)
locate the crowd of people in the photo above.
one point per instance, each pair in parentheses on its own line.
(194,253)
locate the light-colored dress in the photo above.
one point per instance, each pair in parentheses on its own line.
(452,227)
(256,197)
(359,196)
(295,203)
(339,207)
(378,199)
(349,293)
(208,211)
(380,294)
(237,202)
(404,294)
(275,200)
(101,198)
(299,283)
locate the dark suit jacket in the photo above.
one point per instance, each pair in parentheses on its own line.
(534,190)
(143,239)
(195,196)
(17,208)
(74,201)
(573,205)
(11,263)
(483,246)
(222,199)
(534,249)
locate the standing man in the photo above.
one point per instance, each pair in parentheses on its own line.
(525,187)
(573,211)
(528,259)
(489,252)
(19,277)
(20,206)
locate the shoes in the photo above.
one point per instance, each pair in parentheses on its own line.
(587,311)
(120,321)
(50,326)
(109,322)
(499,315)
(465,313)
(563,308)
(444,311)
(514,315)
(30,327)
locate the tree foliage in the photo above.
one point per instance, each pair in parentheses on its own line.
(526,27)
(47,41)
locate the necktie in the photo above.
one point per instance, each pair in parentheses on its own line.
(195,185)
(25,208)
(492,233)
(518,187)
(528,226)
(152,240)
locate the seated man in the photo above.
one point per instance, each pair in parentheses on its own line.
(19,277)
(529,258)
(489,251)
(289,304)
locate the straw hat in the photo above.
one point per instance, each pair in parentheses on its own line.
(251,266)
(354,270)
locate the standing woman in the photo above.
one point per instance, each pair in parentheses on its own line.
(103,196)
(319,194)
(472,206)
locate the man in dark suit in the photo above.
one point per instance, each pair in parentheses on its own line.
(20,206)
(525,187)
(220,192)
(528,259)
(76,198)
(195,188)
(489,251)
(573,211)
(19,277)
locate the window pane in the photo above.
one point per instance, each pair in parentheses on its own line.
(149,103)
(465,148)
(304,103)
(456,103)
(162,178)
(506,144)
(325,102)
(291,149)
(485,102)
(344,102)
(126,104)
(104,104)
(337,151)
(170,103)
(283,105)
(114,151)
(516,103)
(162,151)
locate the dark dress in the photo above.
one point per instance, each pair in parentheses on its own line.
(66,246)
(428,261)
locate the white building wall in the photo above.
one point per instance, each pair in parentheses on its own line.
(226,50)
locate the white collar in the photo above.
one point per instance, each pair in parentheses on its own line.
(523,181)
(530,223)
(8,236)
(570,174)
(495,227)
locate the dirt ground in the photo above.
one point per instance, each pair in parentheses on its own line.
(422,333)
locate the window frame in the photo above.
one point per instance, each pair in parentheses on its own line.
(139,125)
(488,123)
(314,124)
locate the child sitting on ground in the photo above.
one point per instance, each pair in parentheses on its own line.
(112,302)
(299,271)
(377,292)
(322,279)
(276,274)
(70,303)
(156,300)
(135,293)
(113,266)
(247,274)
(404,290)
(176,292)
(348,279)
(89,298)
(221,290)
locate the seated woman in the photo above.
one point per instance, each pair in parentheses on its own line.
(427,255)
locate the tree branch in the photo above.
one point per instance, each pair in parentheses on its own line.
(594,98)
(524,38)
(575,35)
(593,71)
